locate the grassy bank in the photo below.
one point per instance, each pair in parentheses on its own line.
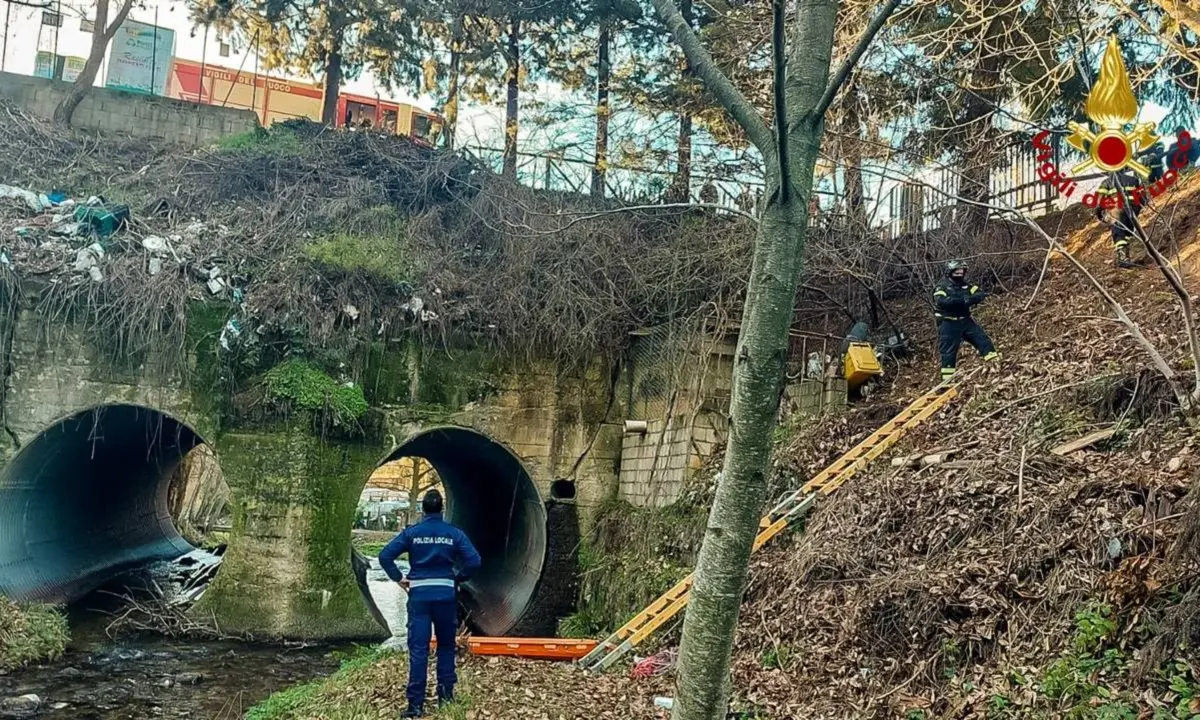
(369,685)
(30,634)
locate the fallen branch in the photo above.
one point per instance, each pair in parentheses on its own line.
(1084,442)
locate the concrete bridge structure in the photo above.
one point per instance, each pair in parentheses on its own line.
(527,452)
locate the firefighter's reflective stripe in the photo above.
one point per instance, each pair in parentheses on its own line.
(940,316)
(947,372)
(974,289)
(992,356)
(940,293)
(1123,242)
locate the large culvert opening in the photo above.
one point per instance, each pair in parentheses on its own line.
(90,499)
(492,498)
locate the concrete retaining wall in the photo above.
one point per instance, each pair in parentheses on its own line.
(139,115)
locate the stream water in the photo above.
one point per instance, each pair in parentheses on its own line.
(149,677)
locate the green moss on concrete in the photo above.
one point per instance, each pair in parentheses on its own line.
(210,380)
(336,476)
(287,572)
(30,634)
(305,387)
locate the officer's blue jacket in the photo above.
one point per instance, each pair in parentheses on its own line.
(439,554)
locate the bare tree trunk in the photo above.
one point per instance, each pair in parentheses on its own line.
(603,109)
(979,135)
(333,75)
(702,688)
(513,106)
(702,685)
(102,34)
(803,93)
(681,186)
(853,157)
(450,109)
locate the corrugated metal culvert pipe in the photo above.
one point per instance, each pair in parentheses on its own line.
(491,497)
(87,499)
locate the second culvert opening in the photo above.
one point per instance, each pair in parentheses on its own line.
(490,496)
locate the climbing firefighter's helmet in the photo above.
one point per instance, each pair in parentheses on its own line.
(955,265)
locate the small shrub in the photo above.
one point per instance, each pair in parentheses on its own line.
(1080,679)
(776,657)
(581,624)
(1093,625)
(1183,683)
(30,634)
(263,142)
(308,388)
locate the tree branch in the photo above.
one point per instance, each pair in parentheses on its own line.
(123,13)
(843,73)
(718,84)
(779,60)
(1182,12)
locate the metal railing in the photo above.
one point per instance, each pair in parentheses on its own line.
(907,203)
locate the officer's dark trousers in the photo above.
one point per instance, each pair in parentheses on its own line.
(951,334)
(442,616)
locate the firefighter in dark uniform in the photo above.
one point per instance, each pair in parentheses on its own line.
(1122,188)
(439,556)
(953,299)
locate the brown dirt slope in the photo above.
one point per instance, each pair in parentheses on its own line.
(1016,582)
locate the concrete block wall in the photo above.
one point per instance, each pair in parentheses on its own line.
(653,464)
(686,417)
(131,113)
(811,396)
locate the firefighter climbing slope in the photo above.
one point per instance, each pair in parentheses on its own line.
(1120,205)
(953,299)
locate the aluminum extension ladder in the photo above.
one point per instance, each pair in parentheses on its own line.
(792,507)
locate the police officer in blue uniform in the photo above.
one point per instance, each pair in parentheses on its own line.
(439,556)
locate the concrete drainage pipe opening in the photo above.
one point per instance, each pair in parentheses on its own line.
(87,500)
(492,498)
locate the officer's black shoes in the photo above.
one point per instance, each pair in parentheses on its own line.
(413,712)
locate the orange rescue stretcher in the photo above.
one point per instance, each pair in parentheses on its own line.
(536,648)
